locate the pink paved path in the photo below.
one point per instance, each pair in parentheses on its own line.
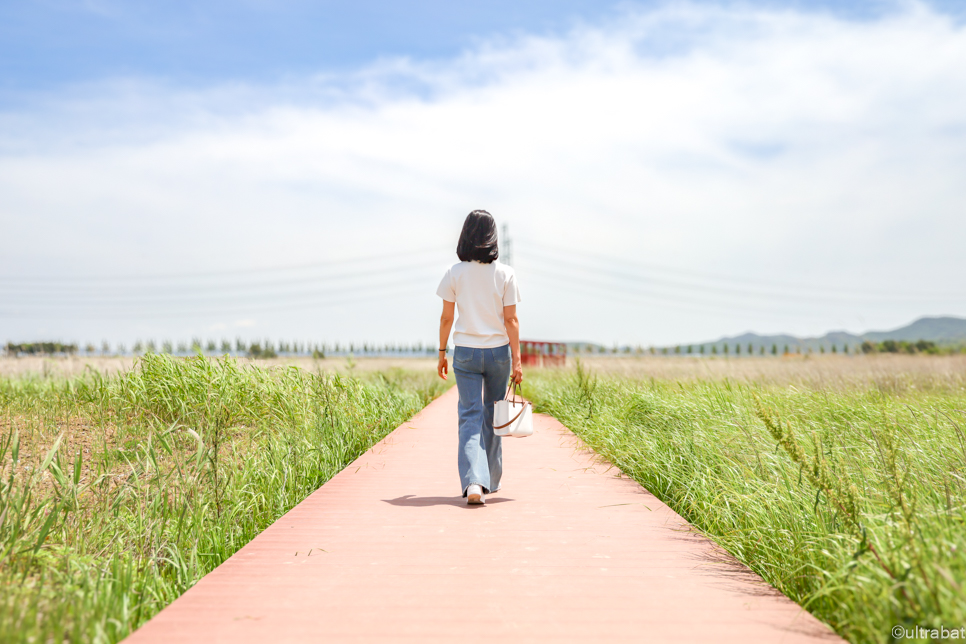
(568,552)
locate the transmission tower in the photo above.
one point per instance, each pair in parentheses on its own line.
(507,254)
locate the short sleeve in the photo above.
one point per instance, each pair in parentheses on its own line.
(445,289)
(511,293)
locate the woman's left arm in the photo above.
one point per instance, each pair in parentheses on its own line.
(445,326)
(512,323)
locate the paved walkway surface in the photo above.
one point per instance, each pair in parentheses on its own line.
(568,551)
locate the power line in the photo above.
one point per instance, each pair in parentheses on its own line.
(623,294)
(387,291)
(237,291)
(262,297)
(577,265)
(568,256)
(205,274)
(153,293)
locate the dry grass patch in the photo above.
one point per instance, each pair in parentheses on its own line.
(890,373)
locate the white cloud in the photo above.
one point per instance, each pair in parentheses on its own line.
(775,144)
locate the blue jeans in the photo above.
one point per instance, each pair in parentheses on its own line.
(482,376)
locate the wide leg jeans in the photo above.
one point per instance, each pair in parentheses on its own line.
(482,376)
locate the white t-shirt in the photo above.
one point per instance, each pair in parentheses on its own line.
(480,292)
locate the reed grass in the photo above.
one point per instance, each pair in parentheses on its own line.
(118,493)
(850,499)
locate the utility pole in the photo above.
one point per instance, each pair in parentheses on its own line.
(507,253)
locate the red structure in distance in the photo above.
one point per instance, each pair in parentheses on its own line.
(543,354)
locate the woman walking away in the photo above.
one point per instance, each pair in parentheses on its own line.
(487,340)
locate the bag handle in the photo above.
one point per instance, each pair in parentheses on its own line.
(515,387)
(523,408)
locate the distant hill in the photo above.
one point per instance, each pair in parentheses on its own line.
(941,330)
(946,330)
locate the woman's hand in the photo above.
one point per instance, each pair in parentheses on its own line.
(443,367)
(517,371)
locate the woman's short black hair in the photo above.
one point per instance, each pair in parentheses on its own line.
(478,239)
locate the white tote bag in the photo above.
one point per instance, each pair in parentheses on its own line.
(512,416)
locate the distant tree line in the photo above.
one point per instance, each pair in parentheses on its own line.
(240,347)
(709,349)
(39,349)
(751,349)
(269,349)
(901,346)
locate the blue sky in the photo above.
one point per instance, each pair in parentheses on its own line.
(48,43)
(683,170)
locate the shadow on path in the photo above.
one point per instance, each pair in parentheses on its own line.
(413,501)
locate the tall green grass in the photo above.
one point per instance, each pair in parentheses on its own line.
(118,494)
(850,501)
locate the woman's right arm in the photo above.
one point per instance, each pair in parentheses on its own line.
(513,330)
(445,325)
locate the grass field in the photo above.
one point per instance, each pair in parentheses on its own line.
(118,492)
(842,481)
